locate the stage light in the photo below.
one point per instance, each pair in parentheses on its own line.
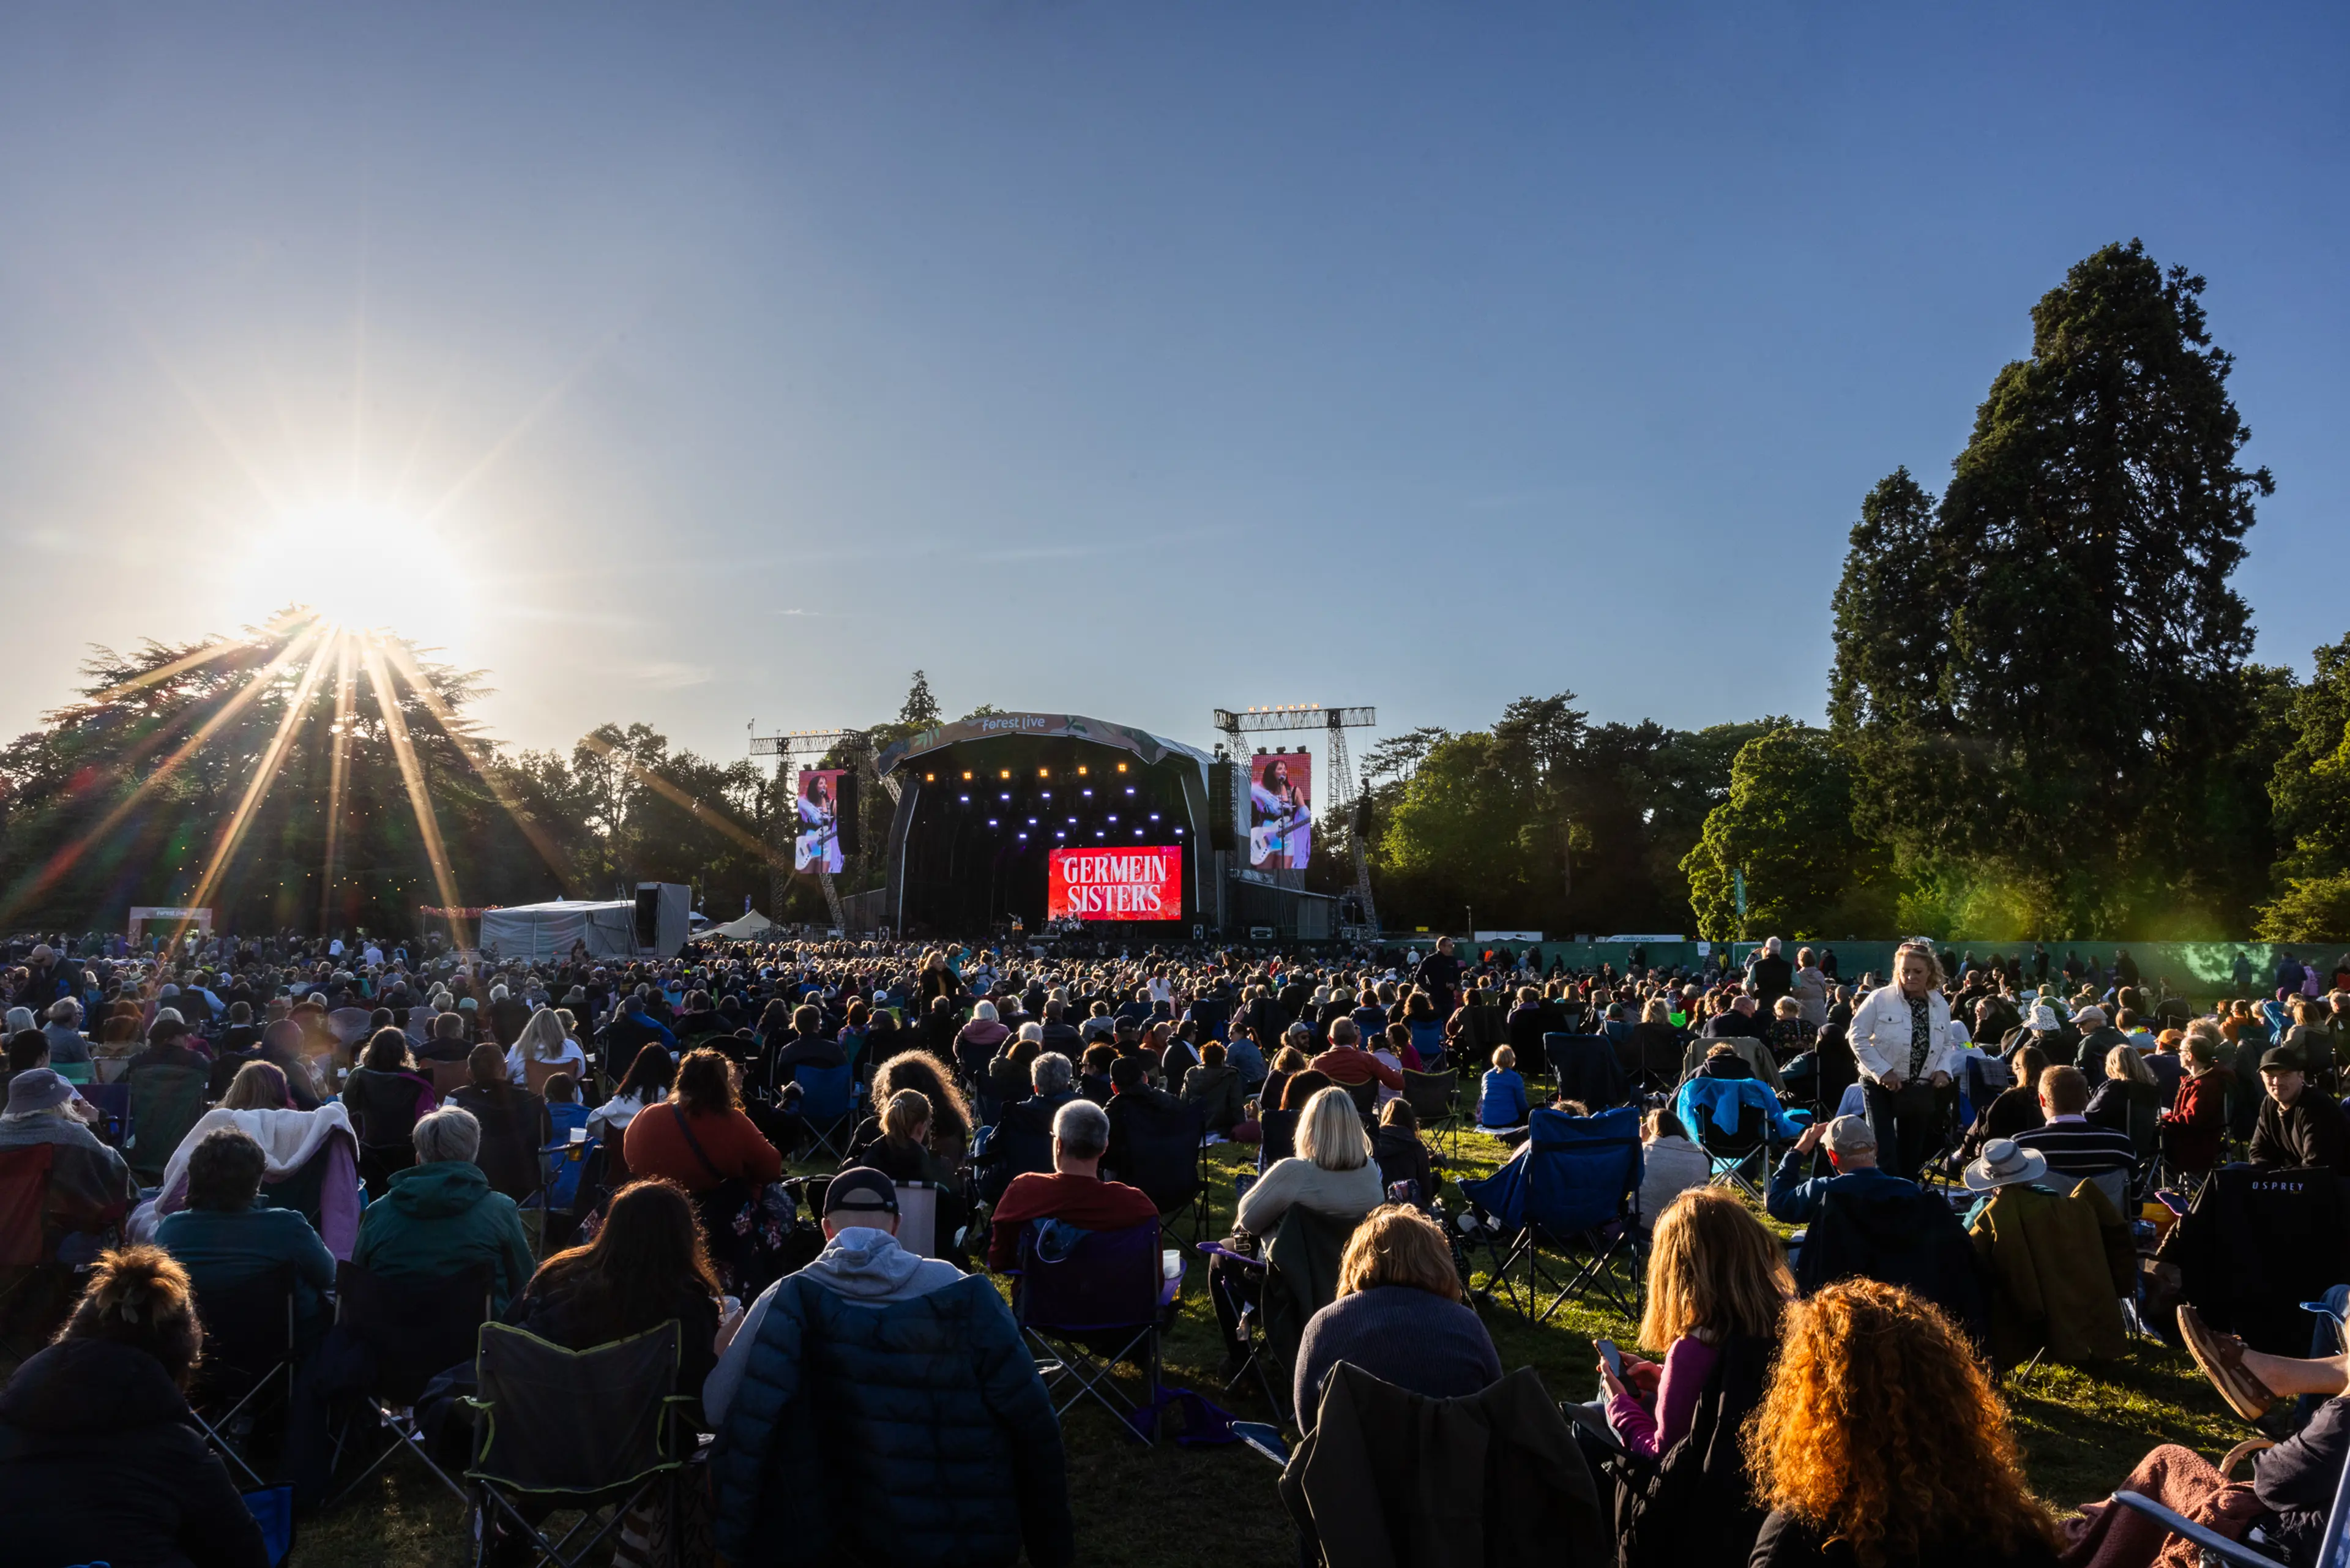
(1081,770)
(1154,817)
(1032,821)
(1041,772)
(966,776)
(1008,773)
(1086,793)
(1058,833)
(1178,833)
(1130,789)
(1121,768)
(1097,832)
(991,822)
(934,778)
(965,799)
(1113,816)
(1137,833)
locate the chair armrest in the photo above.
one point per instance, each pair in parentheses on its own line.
(1218,1250)
(2243,1451)
(2210,1540)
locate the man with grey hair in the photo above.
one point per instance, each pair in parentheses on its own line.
(1049,1075)
(1852,1150)
(1770,976)
(1074,1193)
(441,1217)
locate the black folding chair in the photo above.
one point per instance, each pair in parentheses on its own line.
(248,1372)
(413,1327)
(595,1431)
(1159,1149)
(1434,1098)
(1103,1301)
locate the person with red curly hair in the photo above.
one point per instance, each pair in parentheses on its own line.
(1881,1444)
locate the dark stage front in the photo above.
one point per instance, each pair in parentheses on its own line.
(977,821)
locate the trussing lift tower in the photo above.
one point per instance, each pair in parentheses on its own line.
(1335,722)
(854,746)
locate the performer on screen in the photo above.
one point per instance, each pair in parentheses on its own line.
(819,840)
(1282,820)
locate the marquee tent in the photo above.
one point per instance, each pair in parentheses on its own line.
(536,933)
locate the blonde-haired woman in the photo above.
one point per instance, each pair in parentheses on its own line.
(1716,1275)
(543,1041)
(1901,1038)
(1881,1444)
(1398,1316)
(1331,1172)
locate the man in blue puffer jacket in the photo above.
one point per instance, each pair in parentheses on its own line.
(878,1407)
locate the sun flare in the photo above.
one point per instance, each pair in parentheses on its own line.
(361,568)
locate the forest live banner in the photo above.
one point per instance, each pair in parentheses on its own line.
(1116,885)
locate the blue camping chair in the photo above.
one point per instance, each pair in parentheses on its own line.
(1572,1190)
(828,1106)
(1734,1120)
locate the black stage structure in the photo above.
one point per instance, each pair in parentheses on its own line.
(983,802)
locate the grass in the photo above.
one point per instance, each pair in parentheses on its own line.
(1157,1508)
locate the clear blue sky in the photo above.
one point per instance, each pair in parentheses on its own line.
(695,365)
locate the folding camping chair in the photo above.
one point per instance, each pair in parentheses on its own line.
(1434,1098)
(595,1430)
(1157,1148)
(2333,1545)
(248,1355)
(1586,1069)
(1272,1296)
(27,1269)
(827,1108)
(165,1102)
(1085,1309)
(918,1218)
(1734,1149)
(1576,1190)
(414,1327)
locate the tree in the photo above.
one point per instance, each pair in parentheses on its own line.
(921,710)
(1787,826)
(2036,677)
(2311,792)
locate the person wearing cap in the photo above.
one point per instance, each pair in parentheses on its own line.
(2297,1128)
(878,1407)
(167,1047)
(1852,1150)
(89,1186)
(2098,1037)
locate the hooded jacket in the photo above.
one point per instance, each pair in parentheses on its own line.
(443,1218)
(2058,1266)
(884,1414)
(1217,1092)
(100,1462)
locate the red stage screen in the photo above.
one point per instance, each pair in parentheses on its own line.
(1116,885)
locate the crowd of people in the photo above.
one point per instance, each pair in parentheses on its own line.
(190,1122)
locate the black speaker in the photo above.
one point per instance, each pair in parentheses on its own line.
(648,917)
(1223,805)
(850,807)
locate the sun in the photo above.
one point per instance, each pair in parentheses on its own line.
(361,568)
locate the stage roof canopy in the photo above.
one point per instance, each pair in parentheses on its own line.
(1150,748)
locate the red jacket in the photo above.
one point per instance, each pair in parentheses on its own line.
(1348,1065)
(1087,1202)
(2192,1129)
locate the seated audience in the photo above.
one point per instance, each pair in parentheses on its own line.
(2297,1128)
(646,1083)
(1074,1193)
(2196,1123)
(514,1123)
(1881,1442)
(544,1044)
(2077,1151)
(810,1401)
(1331,1172)
(699,1138)
(1348,1065)
(1502,1101)
(1399,1316)
(440,1216)
(385,1094)
(229,1236)
(101,1460)
(2130,1083)
(1400,1154)
(1216,1088)
(1671,1164)
(1852,1150)
(89,1185)
(951,1121)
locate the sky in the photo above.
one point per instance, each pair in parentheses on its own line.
(719,367)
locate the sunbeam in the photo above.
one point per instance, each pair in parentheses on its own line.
(341,751)
(403,751)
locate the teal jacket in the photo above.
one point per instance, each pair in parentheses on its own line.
(223,1249)
(443,1218)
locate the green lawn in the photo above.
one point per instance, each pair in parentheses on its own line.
(1158,1508)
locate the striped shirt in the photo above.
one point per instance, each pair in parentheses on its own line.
(2077,1150)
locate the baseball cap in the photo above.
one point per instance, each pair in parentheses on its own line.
(1848,1134)
(860,1190)
(2281,1059)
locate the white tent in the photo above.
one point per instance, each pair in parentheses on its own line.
(753,924)
(536,933)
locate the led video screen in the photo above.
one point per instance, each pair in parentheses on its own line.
(816,848)
(1144,884)
(1281,811)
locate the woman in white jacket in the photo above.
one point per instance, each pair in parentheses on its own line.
(1901,1038)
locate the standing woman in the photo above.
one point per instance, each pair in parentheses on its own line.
(1881,1444)
(1811,991)
(1901,1039)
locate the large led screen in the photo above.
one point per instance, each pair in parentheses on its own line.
(817,845)
(1116,885)
(1281,811)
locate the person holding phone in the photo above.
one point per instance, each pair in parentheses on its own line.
(1716,1276)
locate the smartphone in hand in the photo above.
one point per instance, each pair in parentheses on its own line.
(1611,1356)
